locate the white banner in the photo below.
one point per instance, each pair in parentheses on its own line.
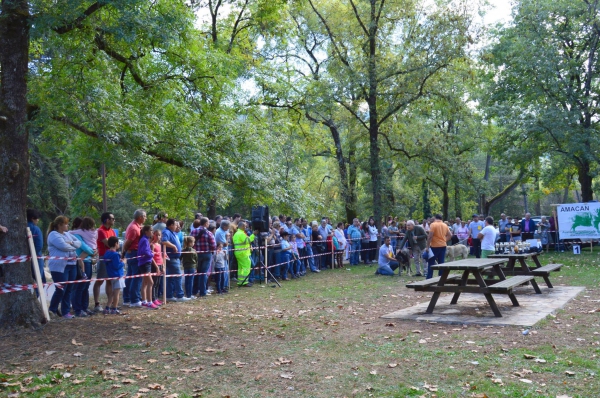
(579,221)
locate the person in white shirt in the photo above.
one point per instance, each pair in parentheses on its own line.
(373,237)
(487,236)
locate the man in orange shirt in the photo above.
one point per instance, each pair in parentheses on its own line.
(439,234)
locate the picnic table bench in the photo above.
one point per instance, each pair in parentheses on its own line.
(511,267)
(458,283)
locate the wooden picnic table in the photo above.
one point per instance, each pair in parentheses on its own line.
(523,268)
(458,284)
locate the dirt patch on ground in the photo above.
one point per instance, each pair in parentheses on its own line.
(318,336)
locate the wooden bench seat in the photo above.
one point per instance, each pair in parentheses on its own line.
(507,285)
(432,281)
(544,272)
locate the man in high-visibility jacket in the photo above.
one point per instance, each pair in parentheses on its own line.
(241,243)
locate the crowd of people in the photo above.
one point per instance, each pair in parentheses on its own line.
(213,254)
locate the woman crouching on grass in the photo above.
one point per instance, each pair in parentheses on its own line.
(146,258)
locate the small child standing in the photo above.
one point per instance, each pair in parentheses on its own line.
(158,261)
(189,260)
(114,269)
(220,258)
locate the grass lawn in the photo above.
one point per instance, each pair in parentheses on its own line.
(320,336)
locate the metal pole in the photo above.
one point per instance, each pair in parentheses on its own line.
(38,277)
(332,255)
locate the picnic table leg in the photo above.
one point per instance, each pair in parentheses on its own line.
(510,265)
(547,280)
(535,287)
(436,295)
(536,260)
(463,282)
(513,298)
(488,296)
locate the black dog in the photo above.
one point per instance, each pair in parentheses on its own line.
(403,260)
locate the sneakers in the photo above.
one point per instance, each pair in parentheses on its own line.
(182,299)
(316,270)
(126,304)
(54,315)
(171,299)
(90,313)
(98,309)
(81,314)
(136,305)
(115,312)
(106,311)
(157,303)
(151,306)
(68,316)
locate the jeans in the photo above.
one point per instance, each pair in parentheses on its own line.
(133,286)
(174,283)
(477,247)
(439,254)
(63,296)
(220,279)
(204,260)
(394,243)
(302,263)
(285,258)
(388,269)
(273,260)
(372,250)
(310,260)
(355,252)
(81,296)
(189,280)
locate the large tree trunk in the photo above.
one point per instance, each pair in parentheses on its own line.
(585,180)
(351,204)
(374,115)
(17,308)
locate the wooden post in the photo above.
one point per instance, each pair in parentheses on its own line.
(164,254)
(266,261)
(38,277)
(332,254)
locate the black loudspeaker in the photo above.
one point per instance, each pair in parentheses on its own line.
(260,218)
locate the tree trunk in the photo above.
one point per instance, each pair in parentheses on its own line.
(351,204)
(585,180)
(17,308)
(211,212)
(426,204)
(457,204)
(445,197)
(538,202)
(525,201)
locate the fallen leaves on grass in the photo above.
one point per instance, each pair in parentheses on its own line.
(152,360)
(528,356)
(392,365)
(78,354)
(569,373)
(283,361)
(422,341)
(288,376)
(210,350)
(526,381)
(156,387)
(390,324)
(373,372)
(193,370)
(219,364)
(74,342)
(329,377)
(239,364)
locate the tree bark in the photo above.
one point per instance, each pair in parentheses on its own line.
(445,197)
(426,204)
(17,308)
(457,204)
(585,181)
